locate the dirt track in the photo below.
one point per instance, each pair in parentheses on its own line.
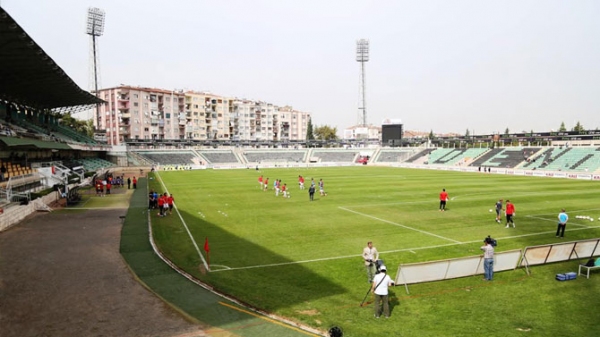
(61,274)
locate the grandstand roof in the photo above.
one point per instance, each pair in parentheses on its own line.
(29,143)
(29,77)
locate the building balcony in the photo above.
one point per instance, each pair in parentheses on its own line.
(125,115)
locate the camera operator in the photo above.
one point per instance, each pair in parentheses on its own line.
(379,287)
(370,255)
(488,259)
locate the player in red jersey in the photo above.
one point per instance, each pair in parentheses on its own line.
(161,202)
(301,182)
(510,212)
(443,200)
(170,201)
(260,182)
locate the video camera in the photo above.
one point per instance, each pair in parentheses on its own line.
(378,265)
(491,241)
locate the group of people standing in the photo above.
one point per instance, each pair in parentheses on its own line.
(379,279)
(278,187)
(509,212)
(283,189)
(105,185)
(162,202)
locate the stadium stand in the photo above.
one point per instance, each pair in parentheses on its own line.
(219,157)
(393,156)
(339,156)
(454,156)
(510,157)
(419,155)
(484,158)
(170,158)
(583,159)
(275,156)
(94,164)
(542,160)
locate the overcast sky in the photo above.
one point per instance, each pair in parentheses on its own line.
(445,66)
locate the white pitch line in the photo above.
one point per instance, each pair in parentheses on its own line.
(399,225)
(555,220)
(411,250)
(185,226)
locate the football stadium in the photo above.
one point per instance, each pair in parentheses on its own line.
(226,236)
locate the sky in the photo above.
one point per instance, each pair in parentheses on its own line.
(441,66)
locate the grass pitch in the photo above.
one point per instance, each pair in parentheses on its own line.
(301,259)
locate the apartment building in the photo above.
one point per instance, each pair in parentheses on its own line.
(157,114)
(141,113)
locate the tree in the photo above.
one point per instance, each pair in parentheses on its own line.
(83,127)
(578,127)
(506,132)
(562,127)
(467,133)
(309,130)
(431,135)
(325,132)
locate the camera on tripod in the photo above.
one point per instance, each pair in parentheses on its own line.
(378,264)
(491,241)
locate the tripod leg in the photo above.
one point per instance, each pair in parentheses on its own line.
(364,299)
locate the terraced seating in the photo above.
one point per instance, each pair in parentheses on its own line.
(220,157)
(275,156)
(341,156)
(582,159)
(169,158)
(93,164)
(393,156)
(547,156)
(454,156)
(420,155)
(510,157)
(486,157)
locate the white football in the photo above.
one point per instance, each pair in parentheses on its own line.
(491,210)
(591,219)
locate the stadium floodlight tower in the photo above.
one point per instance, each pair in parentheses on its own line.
(362,56)
(95,28)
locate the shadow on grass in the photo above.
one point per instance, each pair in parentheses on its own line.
(264,288)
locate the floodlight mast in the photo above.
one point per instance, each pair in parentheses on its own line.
(362,56)
(94,28)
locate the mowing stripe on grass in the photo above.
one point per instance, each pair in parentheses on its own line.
(554,220)
(399,225)
(411,250)
(184,225)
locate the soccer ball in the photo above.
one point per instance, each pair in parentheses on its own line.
(591,219)
(491,210)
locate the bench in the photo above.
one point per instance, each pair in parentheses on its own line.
(588,268)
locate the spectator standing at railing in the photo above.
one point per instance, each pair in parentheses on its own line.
(2,172)
(488,259)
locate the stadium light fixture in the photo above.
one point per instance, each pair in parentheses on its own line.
(95,21)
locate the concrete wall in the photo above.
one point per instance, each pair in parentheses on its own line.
(14,214)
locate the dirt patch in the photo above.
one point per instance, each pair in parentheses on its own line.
(311,312)
(61,274)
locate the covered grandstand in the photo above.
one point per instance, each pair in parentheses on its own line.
(34,93)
